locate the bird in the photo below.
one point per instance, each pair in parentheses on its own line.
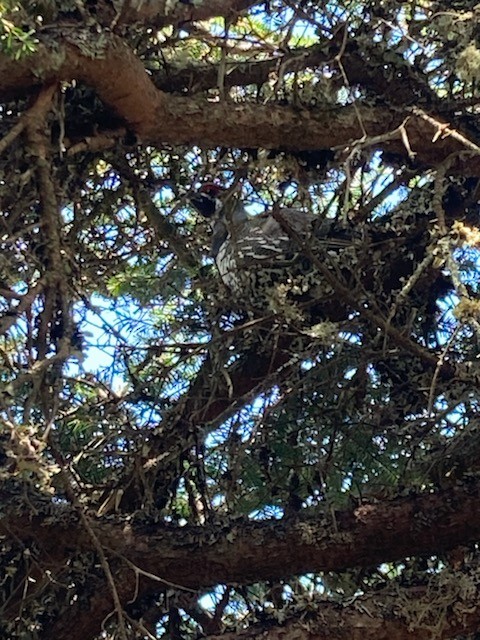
(263,259)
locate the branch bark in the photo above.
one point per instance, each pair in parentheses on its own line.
(241,553)
(163,13)
(119,77)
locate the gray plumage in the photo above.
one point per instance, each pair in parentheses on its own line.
(262,258)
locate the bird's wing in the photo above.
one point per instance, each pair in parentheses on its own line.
(295,222)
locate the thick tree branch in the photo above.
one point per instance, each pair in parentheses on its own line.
(241,553)
(162,13)
(120,78)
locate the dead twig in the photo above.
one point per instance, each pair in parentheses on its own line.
(141,572)
(70,490)
(444,130)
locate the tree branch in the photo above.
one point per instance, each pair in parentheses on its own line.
(120,78)
(235,552)
(161,12)
(443,608)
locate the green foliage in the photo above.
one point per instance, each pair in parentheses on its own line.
(136,281)
(14,40)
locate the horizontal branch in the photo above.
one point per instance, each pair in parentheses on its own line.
(164,12)
(120,78)
(201,76)
(390,78)
(200,557)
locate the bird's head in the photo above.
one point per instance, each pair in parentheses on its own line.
(207,200)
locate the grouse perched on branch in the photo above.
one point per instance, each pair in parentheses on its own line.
(277,261)
(263,258)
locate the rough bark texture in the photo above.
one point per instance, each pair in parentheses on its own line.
(161,119)
(225,552)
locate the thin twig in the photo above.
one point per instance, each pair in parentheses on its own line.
(444,130)
(338,60)
(138,571)
(69,486)
(373,315)
(222,67)
(107,571)
(438,368)
(369,141)
(407,287)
